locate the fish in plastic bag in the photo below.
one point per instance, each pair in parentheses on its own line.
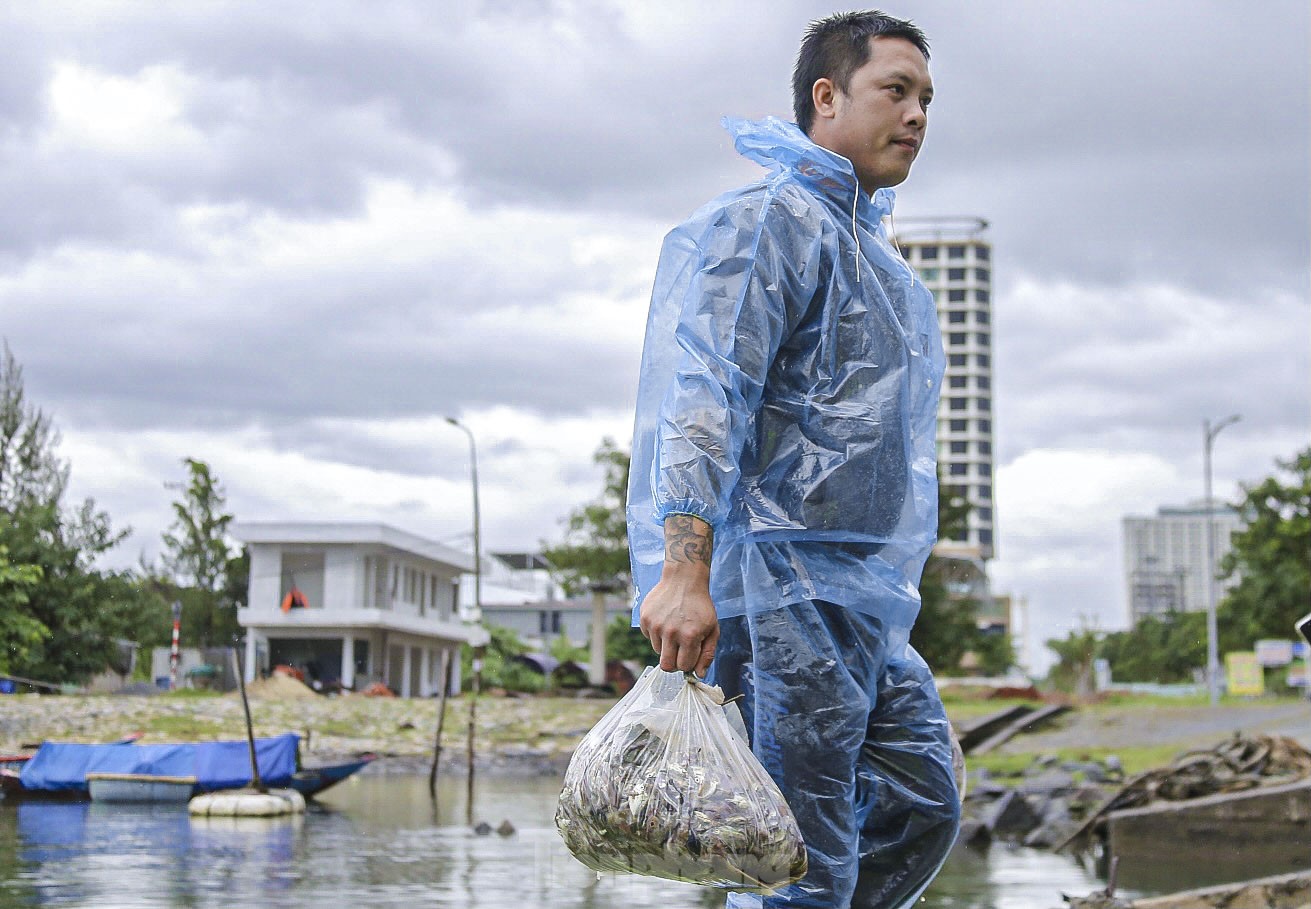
(666,785)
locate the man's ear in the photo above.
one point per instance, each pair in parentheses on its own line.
(824,95)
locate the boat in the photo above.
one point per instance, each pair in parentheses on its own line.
(61,771)
(15,762)
(139,787)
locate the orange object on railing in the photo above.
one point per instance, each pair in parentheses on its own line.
(294,600)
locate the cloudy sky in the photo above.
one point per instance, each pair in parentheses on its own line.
(290,238)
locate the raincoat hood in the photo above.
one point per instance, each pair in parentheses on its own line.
(778,144)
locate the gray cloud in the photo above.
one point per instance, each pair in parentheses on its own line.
(1143,167)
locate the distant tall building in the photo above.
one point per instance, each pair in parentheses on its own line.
(954,260)
(1165,568)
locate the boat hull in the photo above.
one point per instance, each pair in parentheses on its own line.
(139,788)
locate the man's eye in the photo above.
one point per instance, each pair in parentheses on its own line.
(897,89)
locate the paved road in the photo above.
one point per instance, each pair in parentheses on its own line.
(1185,726)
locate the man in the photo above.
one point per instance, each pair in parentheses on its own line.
(783,495)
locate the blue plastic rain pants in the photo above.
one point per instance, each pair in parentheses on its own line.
(859,744)
(788,396)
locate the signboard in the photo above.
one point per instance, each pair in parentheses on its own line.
(1274,653)
(1244,673)
(1299,676)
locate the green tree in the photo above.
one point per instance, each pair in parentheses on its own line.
(595,547)
(1161,649)
(500,669)
(624,642)
(947,627)
(1075,655)
(197,557)
(19,632)
(1271,556)
(69,618)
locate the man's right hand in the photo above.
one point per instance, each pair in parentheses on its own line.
(678,616)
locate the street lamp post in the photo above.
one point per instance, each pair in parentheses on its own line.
(1209,433)
(477,523)
(477,616)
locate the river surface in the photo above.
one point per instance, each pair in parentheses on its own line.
(379,841)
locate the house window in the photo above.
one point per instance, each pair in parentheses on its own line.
(928,274)
(958,425)
(981,318)
(985,493)
(985,425)
(983,383)
(956,361)
(956,381)
(985,403)
(983,338)
(928,252)
(957,470)
(955,252)
(983,469)
(982,253)
(985,448)
(955,274)
(983,360)
(956,337)
(957,403)
(982,274)
(959,447)
(985,536)
(956,317)
(985,514)
(981,296)
(957,295)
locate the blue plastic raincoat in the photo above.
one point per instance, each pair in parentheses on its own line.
(788,396)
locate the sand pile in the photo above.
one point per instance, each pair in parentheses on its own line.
(279,687)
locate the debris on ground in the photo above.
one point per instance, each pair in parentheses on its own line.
(1237,764)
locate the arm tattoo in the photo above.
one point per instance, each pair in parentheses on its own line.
(687,539)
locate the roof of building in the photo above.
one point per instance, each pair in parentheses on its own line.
(349,533)
(573,604)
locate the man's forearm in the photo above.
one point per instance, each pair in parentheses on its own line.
(688,542)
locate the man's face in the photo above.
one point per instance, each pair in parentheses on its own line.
(878,123)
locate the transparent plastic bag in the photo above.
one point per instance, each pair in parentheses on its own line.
(666,785)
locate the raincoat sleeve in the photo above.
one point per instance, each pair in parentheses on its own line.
(740,283)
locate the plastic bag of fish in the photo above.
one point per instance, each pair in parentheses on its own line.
(666,785)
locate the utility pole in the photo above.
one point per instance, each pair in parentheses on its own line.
(1209,433)
(175,653)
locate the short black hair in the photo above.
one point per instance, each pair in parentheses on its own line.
(835,47)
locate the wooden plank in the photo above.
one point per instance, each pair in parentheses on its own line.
(983,729)
(1026,723)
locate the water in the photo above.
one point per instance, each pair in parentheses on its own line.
(379,841)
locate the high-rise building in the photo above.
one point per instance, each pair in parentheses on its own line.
(954,259)
(1165,567)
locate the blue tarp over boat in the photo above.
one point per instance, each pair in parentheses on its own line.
(216,765)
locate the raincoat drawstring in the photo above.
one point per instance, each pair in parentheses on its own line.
(855,229)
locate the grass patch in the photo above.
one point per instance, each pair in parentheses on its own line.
(1134,760)
(190,694)
(183,728)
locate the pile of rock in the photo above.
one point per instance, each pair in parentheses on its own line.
(1050,801)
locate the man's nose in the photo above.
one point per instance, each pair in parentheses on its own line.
(916,115)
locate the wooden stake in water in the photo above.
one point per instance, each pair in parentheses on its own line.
(256,783)
(441,721)
(473,725)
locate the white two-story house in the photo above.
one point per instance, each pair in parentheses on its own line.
(350,604)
